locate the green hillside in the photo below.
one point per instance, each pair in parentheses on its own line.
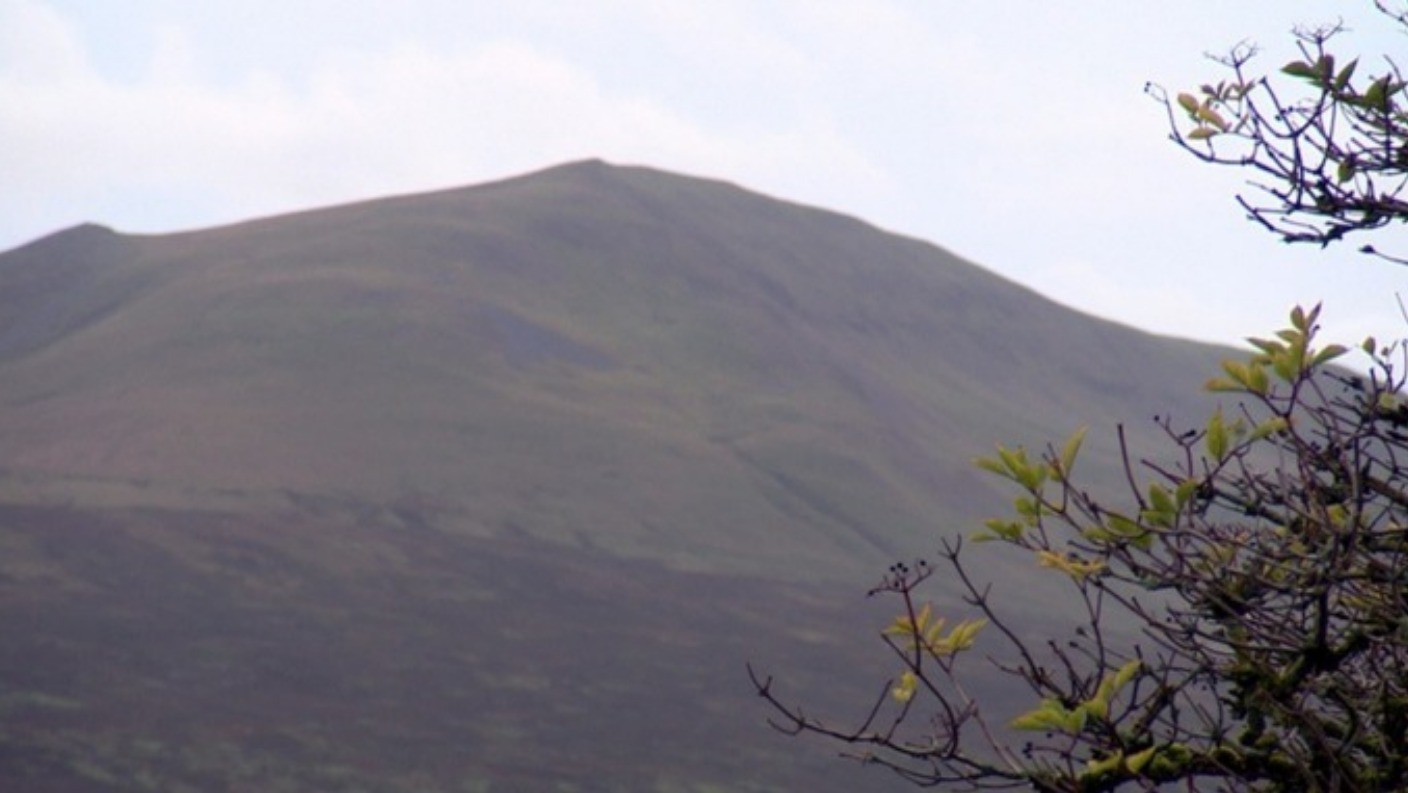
(667,368)
(497,488)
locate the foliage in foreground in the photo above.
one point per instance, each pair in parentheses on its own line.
(1325,139)
(1264,565)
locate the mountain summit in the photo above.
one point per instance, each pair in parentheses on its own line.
(661,366)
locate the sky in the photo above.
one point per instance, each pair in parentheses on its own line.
(1015,134)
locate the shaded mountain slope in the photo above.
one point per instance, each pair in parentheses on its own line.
(498,488)
(667,367)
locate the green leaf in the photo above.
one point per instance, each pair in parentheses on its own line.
(1071,449)
(1160,498)
(1185,491)
(1300,69)
(1267,346)
(1188,102)
(1325,66)
(1099,705)
(1163,511)
(1217,436)
(1308,319)
(1268,428)
(1345,171)
(1039,721)
(964,634)
(1328,354)
(1376,97)
(1122,525)
(1075,721)
(1172,760)
(1051,716)
(1138,760)
(1109,765)
(1128,530)
(1211,117)
(1298,318)
(1237,371)
(1099,536)
(1127,672)
(992,466)
(1032,477)
(1013,464)
(1201,133)
(905,688)
(1256,380)
(1342,79)
(1004,529)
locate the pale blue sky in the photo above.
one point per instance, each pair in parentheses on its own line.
(1015,134)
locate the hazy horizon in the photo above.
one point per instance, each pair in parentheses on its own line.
(1020,141)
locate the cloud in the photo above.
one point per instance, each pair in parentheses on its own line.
(963,124)
(35,42)
(188,148)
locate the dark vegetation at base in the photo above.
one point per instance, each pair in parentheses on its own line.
(172,651)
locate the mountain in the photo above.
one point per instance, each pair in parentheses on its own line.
(498,487)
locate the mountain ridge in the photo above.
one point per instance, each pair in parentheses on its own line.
(677,316)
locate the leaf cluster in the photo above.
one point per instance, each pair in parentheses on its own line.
(1326,140)
(1265,565)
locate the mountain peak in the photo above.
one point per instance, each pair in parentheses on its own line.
(596,173)
(678,328)
(82,237)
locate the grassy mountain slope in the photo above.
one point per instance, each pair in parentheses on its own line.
(666,367)
(415,493)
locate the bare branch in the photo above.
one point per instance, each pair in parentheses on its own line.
(1263,562)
